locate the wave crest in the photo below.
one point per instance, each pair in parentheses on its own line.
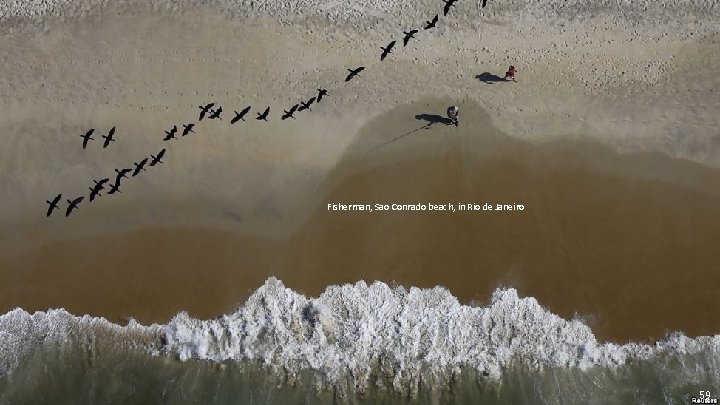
(22,334)
(356,337)
(354,332)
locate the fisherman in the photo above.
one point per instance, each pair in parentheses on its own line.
(453,112)
(510,73)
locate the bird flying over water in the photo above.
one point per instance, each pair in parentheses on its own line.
(408,35)
(289,114)
(205,109)
(387,50)
(53,204)
(306,105)
(354,72)
(215,113)
(240,115)
(170,134)
(432,23)
(187,129)
(139,167)
(73,204)
(448,4)
(157,159)
(321,93)
(87,137)
(109,137)
(264,114)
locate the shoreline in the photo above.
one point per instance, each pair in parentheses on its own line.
(631,88)
(599,264)
(515,334)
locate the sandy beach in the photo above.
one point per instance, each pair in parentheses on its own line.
(610,140)
(598,230)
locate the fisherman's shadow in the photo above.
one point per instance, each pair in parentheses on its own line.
(433,119)
(430,120)
(489,78)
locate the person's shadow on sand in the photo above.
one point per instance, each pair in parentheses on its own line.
(433,119)
(489,78)
(430,120)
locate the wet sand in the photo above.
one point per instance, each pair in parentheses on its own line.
(627,242)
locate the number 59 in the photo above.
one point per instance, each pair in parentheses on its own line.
(704,394)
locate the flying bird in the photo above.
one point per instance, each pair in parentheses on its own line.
(387,50)
(102,182)
(109,137)
(73,204)
(95,190)
(115,187)
(87,137)
(448,4)
(264,114)
(121,173)
(306,105)
(289,114)
(204,110)
(408,35)
(157,159)
(215,113)
(139,167)
(240,115)
(170,134)
(187,129)
(432,23)
(53,204)
(354,72)
(321,93)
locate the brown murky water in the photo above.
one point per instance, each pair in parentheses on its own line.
(628,242)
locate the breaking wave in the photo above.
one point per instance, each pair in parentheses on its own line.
(23,334)
(353,336)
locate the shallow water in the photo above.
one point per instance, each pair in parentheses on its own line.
(58,358)
(123,378)
(625,241)
(622,240)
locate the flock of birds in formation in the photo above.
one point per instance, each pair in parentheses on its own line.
(210,112)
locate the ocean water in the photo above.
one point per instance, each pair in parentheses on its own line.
(353,344)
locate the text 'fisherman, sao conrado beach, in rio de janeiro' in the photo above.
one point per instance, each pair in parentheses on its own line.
(425,207)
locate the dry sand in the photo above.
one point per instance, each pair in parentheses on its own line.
(622,239)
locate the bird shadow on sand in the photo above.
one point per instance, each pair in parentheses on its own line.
(489,78)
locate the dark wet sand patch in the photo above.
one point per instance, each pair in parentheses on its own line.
(628,242)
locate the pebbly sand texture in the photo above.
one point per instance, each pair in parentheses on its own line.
(611,138)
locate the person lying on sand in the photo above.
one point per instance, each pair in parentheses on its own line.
(510,73)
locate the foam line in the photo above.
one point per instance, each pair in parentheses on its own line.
(353,331)
(351,334)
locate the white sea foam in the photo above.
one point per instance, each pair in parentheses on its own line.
(353,332)
(22,333)
(354,335)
